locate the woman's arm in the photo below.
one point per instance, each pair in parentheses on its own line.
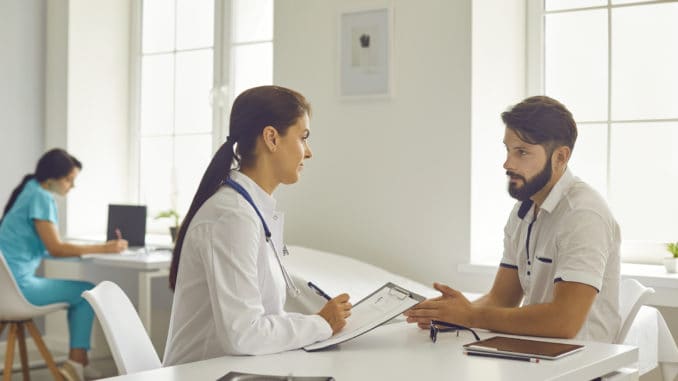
(229,250)
(50,238)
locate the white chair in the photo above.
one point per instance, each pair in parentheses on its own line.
(130,345)
(632,296)
(18,313)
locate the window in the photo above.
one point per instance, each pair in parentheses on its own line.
(252,44)
(192,54)
(615,65)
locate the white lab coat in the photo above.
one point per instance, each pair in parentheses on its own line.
(230,291)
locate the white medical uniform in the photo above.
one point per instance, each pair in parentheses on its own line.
(574,238)
(230,291)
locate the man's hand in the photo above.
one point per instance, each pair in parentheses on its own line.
(450,307)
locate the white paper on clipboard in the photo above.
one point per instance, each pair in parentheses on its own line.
(382,305)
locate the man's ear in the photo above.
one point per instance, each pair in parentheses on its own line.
(561,156)
(271,138)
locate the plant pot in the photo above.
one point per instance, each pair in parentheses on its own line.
(671,264)
(173,233)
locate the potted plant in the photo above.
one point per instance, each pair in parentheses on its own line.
(671,262)
(170,213)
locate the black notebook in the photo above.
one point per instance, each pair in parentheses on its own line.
(238,376)
(502,345)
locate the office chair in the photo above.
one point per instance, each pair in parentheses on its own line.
(17,313)
(130,345)
(632,296)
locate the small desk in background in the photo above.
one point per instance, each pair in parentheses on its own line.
(151,265)
(126,270)
(402,351)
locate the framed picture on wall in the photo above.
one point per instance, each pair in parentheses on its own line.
(365,48)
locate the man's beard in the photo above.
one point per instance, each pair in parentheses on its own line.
(531,187)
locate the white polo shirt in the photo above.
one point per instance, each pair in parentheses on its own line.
(574,238)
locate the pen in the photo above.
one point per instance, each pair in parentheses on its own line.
(319,291)
(503,356)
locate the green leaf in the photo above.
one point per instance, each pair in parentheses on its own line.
(169,213)
(672,248)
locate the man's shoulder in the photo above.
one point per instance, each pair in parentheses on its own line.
(581,195)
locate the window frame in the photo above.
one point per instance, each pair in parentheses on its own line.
(221,95)
(535,76)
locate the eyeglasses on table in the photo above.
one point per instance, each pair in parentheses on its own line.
(441,326)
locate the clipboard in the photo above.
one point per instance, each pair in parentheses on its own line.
(387,302)
(501,346)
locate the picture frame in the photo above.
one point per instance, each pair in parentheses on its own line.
(365,53)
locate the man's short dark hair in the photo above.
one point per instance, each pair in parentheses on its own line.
(542,120)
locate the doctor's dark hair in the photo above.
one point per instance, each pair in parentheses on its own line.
(53,164)
(252,111)
(542,120)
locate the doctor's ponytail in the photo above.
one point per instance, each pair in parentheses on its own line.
(216,173)
(252,111)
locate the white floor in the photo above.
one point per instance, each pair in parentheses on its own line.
(106,366)
(39,371)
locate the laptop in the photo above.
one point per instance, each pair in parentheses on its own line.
(130,221)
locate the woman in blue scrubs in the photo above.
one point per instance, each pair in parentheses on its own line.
(29,232)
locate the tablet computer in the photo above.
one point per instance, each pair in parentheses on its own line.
(238,376)
(525,348)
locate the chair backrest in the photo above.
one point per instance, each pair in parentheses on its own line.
(13,304)
(130,345)
(632,296)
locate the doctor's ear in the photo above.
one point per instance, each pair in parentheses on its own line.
(271,137)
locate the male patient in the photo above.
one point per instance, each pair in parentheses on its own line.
(561,242)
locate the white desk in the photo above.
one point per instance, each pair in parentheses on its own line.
(335,274)
(154,264)
(149,266)
(403,352)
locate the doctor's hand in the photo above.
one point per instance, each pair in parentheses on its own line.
(336,311)
(451,307)
(115,246)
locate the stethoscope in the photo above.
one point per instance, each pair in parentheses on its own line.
(286,276)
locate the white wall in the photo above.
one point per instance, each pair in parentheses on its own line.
(87,104)
(389,182)
(22,89)
(499,77)
(98,116)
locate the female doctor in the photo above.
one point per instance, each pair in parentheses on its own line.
(228,279)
